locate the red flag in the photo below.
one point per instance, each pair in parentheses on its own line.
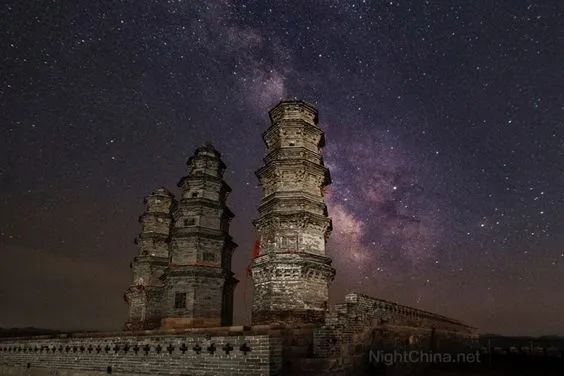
(256,249)
(255,253)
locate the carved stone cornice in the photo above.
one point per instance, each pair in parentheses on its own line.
(200,202)
(273,167)
(300,218)
(201,177)
(292,153)
(290,201)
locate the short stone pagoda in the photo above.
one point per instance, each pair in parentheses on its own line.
(182,275)
(145,293)
(199,283)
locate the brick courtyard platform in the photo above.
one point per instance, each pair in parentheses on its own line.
(340,346)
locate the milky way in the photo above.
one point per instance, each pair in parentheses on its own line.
(444,128)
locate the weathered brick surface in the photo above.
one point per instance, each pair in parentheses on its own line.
(292,272)
(221,351)
(145,293)
(201,247)
(185,249)
(363,323)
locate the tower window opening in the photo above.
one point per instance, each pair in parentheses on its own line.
(190,222)
(194,194)
(180,300)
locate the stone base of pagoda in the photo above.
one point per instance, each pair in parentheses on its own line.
(142,325)
(290,288)
(189,322)
(288,318)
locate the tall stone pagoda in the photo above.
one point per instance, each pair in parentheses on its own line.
(199,282)
(182,276)
(292,272)
(145,293)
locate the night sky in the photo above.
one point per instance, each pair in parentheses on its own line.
(444,123)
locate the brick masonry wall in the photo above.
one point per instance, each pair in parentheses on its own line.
(363,322)
(217,351)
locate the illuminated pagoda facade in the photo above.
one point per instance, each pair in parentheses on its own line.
(292,272)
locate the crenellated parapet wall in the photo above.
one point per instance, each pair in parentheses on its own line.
(215,351)
(368,308)
(364,323)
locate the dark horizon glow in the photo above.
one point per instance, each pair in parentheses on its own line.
(444,128)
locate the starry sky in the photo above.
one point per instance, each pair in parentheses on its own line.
(445,139)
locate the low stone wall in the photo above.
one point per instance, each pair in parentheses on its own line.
(216,351)
(364,323)
(339,347)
